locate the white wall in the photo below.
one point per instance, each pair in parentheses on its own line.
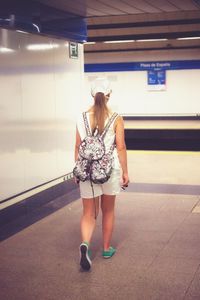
(40,92)
(131,95)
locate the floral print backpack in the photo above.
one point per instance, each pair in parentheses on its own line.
(94,162)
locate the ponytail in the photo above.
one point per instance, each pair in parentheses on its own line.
(101,112)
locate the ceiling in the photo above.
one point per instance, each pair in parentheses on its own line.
(142,25)
(94,8)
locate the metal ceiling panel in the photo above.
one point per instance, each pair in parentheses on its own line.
(184,4)
(144,6)
(106,8)
(123,6)
(143,30)
(93,12)
(143,18)
(90,8)
(164,5)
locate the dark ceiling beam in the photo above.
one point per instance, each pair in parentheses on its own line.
(160,35)
(143,49)
(143,24)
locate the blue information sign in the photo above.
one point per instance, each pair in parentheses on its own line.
(143,66)
(156,77)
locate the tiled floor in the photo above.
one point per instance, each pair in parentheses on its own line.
(156,234)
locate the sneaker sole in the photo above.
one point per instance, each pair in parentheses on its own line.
(106,257)
(109,255)
(85,261)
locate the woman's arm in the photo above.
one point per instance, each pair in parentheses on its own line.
(77,144)
(121,149)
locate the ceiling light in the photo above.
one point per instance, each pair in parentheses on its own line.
(36,26)
(89,43)
(5,50)
(122,41)
(189,38)
(21,31)
(38,47)
(152,40)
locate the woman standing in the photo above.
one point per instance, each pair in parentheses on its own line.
(105,193)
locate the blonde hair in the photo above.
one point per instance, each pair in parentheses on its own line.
(101,112)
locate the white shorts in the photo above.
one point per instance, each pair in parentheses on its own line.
(111,187)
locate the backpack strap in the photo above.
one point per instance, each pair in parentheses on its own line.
(110,121)
(87,127)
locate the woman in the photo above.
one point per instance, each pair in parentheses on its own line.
(97,116)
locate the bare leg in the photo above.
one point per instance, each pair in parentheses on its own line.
(107,206)
(88,221)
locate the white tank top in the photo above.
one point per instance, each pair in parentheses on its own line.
(108,139)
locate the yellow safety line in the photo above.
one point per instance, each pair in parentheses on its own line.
(165,152)
(161,127)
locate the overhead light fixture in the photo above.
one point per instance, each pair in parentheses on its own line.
(36,26)
(189,38)
(6,50)
(122,41)
(89,43)
(152,40)
(21,31)
(38,47)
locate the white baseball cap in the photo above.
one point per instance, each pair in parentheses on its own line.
(100,85)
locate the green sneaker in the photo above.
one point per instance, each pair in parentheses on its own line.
(85,260)
(109,253)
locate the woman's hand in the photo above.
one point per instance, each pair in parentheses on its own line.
(125,180)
